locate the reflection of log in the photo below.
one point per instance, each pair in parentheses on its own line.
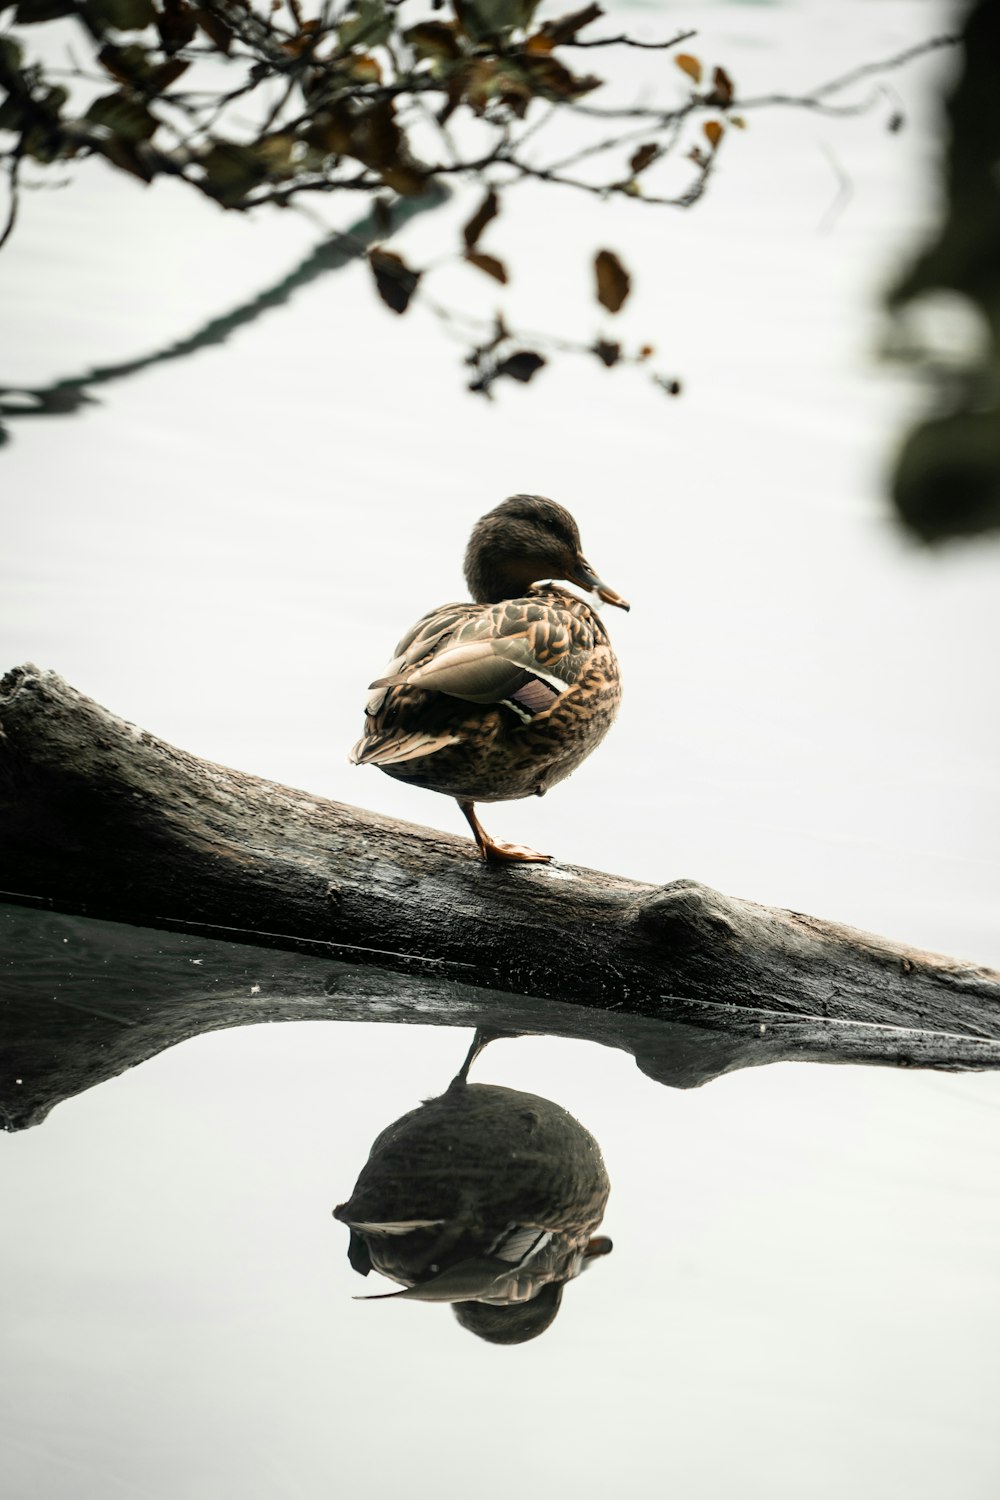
(380,919)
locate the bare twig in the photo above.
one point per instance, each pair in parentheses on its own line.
(13,173)
(631,41)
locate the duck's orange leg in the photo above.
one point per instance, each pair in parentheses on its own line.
(494,853)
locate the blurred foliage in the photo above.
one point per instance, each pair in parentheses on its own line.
(947,479)
(387,99)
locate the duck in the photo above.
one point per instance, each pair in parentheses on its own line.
(486,1198)
(504,696)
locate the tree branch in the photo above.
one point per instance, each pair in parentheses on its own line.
(631,41)
(14,190)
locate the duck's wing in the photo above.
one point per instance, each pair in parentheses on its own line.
(397,724)
(522,654)
(431,632)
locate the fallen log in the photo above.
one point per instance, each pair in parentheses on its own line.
(365,917)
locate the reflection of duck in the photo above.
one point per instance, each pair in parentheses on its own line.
(486,1198)
(504,697)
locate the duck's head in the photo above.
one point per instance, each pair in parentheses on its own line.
(511,1322)
(526,538)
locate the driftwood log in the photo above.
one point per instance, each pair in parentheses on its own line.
(151,896)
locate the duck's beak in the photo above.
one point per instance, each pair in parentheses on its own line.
(599,1245)
(583,574)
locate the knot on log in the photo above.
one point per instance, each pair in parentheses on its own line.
(685,915)
(12,680)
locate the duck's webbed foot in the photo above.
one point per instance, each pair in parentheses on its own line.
(512,854)
(497,853)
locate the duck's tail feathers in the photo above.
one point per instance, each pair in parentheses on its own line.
(395,749)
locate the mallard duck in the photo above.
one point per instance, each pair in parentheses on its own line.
(485,1198)
(505,696)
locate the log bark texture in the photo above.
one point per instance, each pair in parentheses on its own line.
(100,820)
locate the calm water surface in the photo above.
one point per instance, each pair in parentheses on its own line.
(802,1299)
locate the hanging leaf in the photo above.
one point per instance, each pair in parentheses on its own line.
(127,155)
(176,24)
(564,29)
(434,39)
(304,43)
(30,12)
(488,20)
(122,116)
(231,170)
(407,181)
(372,135)
(489,264)
(375,136)
(11,58)
(369,26)
(689,65)
(364,68)
(613,281)
(722,86)
(276,153)
(521,365)
(128,64)
(552,80)
(215,29)
(394,280)
(122,15)
(609,354)
(643,157)
(738,121)
(44,139)
(487,210)
(168,72)
(482,80)
(714,131)
(13,114)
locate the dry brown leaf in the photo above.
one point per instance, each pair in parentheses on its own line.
(557,32)
(521,365)
(394,279)
(487,210)
(613,281)
(365,68)
(723,86)
(436,39)
(689,65)
(489,264)
(642,158)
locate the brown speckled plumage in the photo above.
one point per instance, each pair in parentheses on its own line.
(485,1198)
(503,697)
